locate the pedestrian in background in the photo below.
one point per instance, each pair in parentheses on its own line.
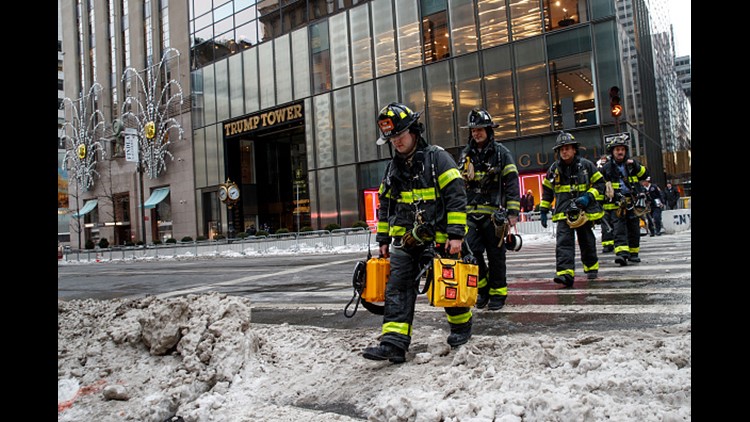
(492,196)
(656,204)
(422,212)
(574,183)
(527,204)
(624,173)
(671,196)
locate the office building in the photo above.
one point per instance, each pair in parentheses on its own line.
(284,96)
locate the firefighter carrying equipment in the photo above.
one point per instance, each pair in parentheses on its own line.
(453,282)
(500,221)
(575,217)
(513,242)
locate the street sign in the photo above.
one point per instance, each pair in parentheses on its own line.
(624,136)
(131,145)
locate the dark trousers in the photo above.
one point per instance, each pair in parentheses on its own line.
(565,252)
(480,238)
(401,295)
(655,228)
(608,230)
(627,234)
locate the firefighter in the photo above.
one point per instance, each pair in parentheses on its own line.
(493,197)
(574,183)
(609,206)
(422,212)
(625,173)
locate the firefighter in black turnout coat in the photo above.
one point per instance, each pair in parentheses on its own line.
(493,197)
(422,212)
(574,183)
(625,173)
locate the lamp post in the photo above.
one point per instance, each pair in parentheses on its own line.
(132,155)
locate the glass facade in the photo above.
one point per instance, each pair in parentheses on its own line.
(530,63)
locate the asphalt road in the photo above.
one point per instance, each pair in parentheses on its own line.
(315,289)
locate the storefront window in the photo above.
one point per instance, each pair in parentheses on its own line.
(463,26)
(493,22)
(525,18)
(498,82)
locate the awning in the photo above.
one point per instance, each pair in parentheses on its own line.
(157,196)
(87,208)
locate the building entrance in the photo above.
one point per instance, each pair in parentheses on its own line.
(271,170)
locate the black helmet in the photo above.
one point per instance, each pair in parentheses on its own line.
(479,117)
(621,141)
(564,138)
(393,120)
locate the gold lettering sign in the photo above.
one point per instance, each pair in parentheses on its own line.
(264,120)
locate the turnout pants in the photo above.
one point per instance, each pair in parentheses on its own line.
(401,295)
(608,232)
(480,238)
(565,252)
(627,234)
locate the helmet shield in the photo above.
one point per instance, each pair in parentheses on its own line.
(393,120)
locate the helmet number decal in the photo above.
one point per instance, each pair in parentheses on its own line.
(386,125)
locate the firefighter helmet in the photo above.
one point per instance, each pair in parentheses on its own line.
(393,120)
(620,141)
(565,138)
(479,117)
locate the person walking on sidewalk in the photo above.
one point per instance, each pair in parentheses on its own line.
(624,173)
(671,196)
(574,183)
(422,212)
(656,203)
(492,192)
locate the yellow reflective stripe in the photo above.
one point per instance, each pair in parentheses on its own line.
(513,205)
(634,250)
(608,243)
(642,171)
(382,227)
(610,206)
(424,194)
(621,248)
(594,215)
(615,185)
(406,198)
(510,168)
(599,196)
(460,318)
(441,237)
(381,189)
(596,177)
(545,204)
(547,183)
(568,188)
(559,216)
(593,267)
(482,282)
(568,272)
(397,327)
(448,176)
(397,231)
(456,217)
(502,291)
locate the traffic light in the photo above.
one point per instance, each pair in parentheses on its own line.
(614,102)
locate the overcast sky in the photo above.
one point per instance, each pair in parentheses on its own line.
(680,10)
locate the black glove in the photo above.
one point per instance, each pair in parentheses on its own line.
(543,216)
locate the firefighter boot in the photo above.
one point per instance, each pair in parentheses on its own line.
(460,334)
(483,297)
(634,258)
(385,351)
(564,279)
(496,302)
(622,260)
(592,275)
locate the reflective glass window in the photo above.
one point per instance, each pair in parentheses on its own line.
(283,69)
(321,61)
(300,63)
(468,87)
(323,133)
(366,113)
(236,90)
(359,22)
(267,75)
(440,102)
(209,96)
(563,13)
(348,209)
(384,45)
(250,72)
(436,39)
(343,118)
(463,26)
(412,89)
(339,33)
(498,84)
(493,22)
(409,39)
(525,18)
(531,73)
(222,90)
